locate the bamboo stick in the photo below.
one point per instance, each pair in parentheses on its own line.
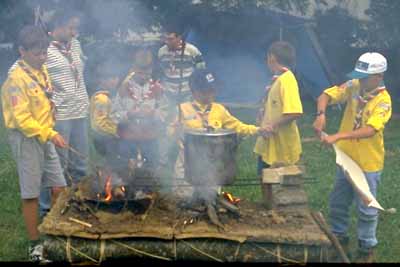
(319,219)
(80,222)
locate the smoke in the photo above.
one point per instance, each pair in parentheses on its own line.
(111,16)
(233,44)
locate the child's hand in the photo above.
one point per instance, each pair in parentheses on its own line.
(329,139)
(270,128)
(264,132)
(59,141)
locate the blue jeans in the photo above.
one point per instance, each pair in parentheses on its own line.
(340,202)
(75,133)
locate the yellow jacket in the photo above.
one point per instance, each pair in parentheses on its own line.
(25,105)
(369,152)
(218,117)
(100,109)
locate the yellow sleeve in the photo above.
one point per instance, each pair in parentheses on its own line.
(339,94)
(291,103)
(100,116)
(16,102)
(380,115)
(232,123)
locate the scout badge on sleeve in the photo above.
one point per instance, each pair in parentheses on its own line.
(14,91)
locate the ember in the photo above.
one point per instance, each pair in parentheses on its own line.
(108,189)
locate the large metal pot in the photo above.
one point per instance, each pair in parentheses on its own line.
(210,157)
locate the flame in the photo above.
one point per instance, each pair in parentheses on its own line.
(123,188)
(108,189)
(231,198)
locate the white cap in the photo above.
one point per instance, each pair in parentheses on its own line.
(368,63)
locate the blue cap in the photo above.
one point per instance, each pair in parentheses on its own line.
(202,80)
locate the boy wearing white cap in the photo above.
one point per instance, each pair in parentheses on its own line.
(368,109)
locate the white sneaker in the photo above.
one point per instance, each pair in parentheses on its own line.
(36,254)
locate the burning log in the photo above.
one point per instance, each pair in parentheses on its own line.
(210,209)
(212,214)
(229,202)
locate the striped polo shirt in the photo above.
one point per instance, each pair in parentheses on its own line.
(70,97)
(171,64)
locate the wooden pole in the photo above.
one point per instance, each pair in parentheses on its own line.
(319,219)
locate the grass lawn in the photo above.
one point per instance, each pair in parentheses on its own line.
(319,162)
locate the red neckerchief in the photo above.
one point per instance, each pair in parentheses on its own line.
(267,88)
(131,88)
(363,99)
(202,114)
(47,89)
(66,51)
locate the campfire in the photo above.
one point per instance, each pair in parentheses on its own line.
(224,203)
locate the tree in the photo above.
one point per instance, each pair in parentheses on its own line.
(384,27)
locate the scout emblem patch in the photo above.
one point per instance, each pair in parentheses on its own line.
(14,95)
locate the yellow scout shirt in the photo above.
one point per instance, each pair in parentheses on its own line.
(218,117)
(368,153)
(284,146)
(100,109)
(25,105)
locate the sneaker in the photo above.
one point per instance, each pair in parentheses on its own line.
(36,254)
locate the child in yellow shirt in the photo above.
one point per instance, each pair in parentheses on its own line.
(204,112)
(281,108)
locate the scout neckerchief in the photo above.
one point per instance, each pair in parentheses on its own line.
(66,51)
(363,99)
(132,84)
(47,89)
(202,114)
(267,88)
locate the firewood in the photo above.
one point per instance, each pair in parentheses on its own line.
(80,222)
